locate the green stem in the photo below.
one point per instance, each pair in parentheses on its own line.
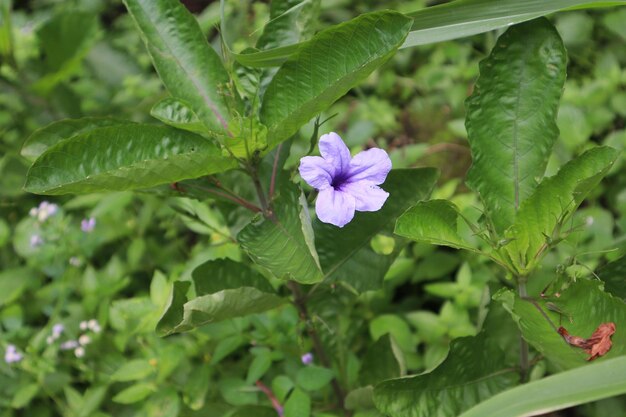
(524,362)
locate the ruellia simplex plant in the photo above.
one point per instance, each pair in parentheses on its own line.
(226,131)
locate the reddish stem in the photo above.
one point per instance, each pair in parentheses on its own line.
(275,403)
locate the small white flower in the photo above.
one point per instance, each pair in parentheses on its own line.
(94,326)
(50,340)
(75,261)
(84,325)
(84,340)
(79,352)
(589,220)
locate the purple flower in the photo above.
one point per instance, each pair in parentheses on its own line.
(345,184)
(307,358)
(70,344)
(87,225)
(36,240)
(57,329)
(11,355)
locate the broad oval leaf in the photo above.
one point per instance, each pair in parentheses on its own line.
(290,22)
(346,255)
(511,117)
(224,289)
(177,113)
(567,389)
(553,202)
(125,157)
(190,69)
(476,368)
(283,243)
(434,221)
(582,308)
(55,132)
(326,67)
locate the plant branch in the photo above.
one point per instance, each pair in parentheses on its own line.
(300,303)
(268,392)
(524,362)
(234,198)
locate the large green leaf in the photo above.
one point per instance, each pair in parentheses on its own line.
(584,306)
(614,277)
(50,135)
(476,368)
(175,112)
(382,361)
(435,222)
(511,117)
(326,67)
(124,157)
(224,289)
(346,254)
(553,202)
(290,22)
(452,20)
(556,392)
(283,243)
(190,69)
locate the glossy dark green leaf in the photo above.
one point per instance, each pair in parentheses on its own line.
(435,222)
(55,132)
(124,157)
(346,254)
(326,67)
(584,306)
(476,368)
(564,390)
(541,216)
(283,244)
(383,360)
(190,69)
(224,289)
(65,39)
(175,112)
(291,21)
(511,117)
(614,277)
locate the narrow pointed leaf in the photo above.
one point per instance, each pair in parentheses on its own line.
(327,67)
(583,306)
(553,202)
(124,157)
(435,222)
(346,254)
(283,244)
(224,289)
(567,389)
(177,113)
(190,69)
(511,117)
(50,135)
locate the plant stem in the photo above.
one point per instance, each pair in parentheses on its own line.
(523,345)
(300,303)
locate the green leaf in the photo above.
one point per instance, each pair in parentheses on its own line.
(290,22)
(511,117)
(553,202)
(346,255)
(435,222)
(476,368)
(224,289)
(64,40)
(327,67)
(133,370)
(284,243)
(298,404)
(382,361)
(197,386)
(55,132)
(567,389)
(585,303)
(254,410)
(177,113)
(613,275)
(313,378)
(24,395)
(260,365)
(125,157)
(134,393)
(190,69)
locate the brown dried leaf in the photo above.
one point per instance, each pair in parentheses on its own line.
(597,345)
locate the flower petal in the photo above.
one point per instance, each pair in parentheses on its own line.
(368,196)
(371,165)
(335,151)
(335,207)
(316,171)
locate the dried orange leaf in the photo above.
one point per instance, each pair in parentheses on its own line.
(597,345)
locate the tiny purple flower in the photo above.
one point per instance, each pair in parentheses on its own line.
(87,225)
(36,240)
(57,329)
(11,355)
(70,344)
(307,358)
(345,184)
